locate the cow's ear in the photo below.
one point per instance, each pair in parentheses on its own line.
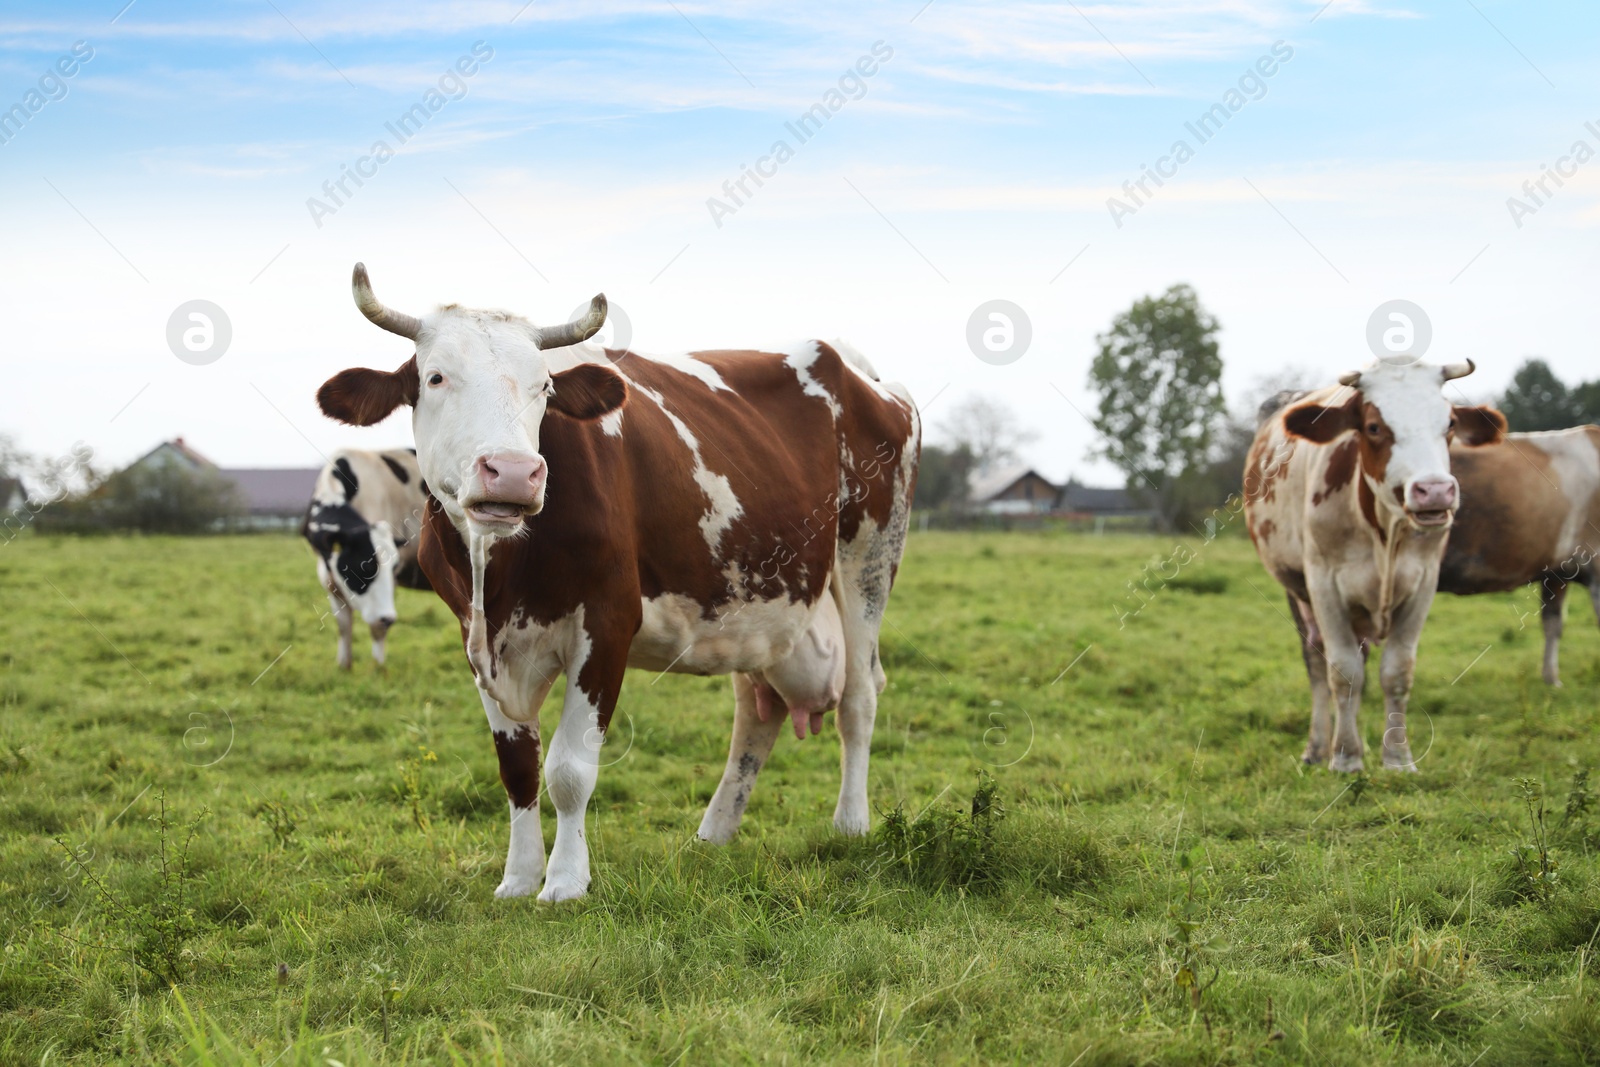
(361,397)
(1319,423)
(588,391)
(1482,425)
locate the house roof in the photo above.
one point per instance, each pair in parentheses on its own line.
(262,490)
(176,445)
(273,490)
(986,485)
(1078,497)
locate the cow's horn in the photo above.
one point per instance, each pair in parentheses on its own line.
(570,333)
(1350,378)
(1458,370)
(394,321)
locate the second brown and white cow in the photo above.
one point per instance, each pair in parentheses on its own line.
(1530,513)
(727,512)
(1349,499)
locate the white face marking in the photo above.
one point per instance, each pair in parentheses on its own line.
(722,505)
(376,601)
(1413,405)
(482,392)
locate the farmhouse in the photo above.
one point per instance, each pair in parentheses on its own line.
(271,496)
(1012,490)
(1101,503)
(1022,490)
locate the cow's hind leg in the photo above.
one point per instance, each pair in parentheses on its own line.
(1320,741)
(861,587)
(1593,582)
(1552,606)
(753,738)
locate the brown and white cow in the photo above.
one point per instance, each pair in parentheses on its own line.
(362,522)
(728,512)
(1530,513)
(1349,499)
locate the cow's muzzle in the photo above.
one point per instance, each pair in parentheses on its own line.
(1431,501)
(510,485)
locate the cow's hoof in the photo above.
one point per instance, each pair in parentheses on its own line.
(555,892)
(512,887)
(851,824)
(1400,763)
(1312,758)
(1346,764)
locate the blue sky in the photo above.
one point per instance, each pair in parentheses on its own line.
(976,164)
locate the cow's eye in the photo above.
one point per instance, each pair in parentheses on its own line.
(435,378)
(1374,429)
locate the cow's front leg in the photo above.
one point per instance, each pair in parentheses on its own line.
(346,622)
(753,737)
(380,634)
(1395,672)
(1346,668)
(593,683)
(517,745)
(1316,661)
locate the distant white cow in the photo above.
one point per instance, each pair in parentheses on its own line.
(363,521)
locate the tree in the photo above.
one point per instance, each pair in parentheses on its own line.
(1586,399)
(942,475)
(1159,376)
(1538,400)
(988,430)
(162,498)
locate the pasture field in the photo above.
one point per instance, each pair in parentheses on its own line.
(1141,815)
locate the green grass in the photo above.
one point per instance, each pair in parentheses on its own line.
(1152,820)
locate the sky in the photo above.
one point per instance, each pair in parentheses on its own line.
(194,150)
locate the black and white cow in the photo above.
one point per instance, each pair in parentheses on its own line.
(363,521)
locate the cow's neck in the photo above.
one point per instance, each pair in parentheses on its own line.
(1389,538)
(478,653)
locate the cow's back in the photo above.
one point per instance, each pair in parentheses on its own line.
(1528,504)
(715,499)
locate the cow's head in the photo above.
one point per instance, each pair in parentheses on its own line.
(1403,427)
(479,386)
(354,559)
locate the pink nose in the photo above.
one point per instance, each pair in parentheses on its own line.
(1433,494)
(511,477)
